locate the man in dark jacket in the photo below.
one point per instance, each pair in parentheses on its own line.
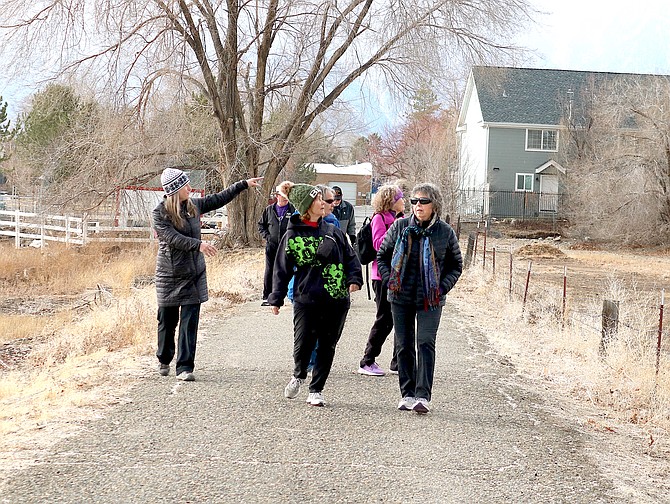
(272,226)
(344,211)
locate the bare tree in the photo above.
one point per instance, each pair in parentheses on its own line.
(423,149)
(619,159)
(250,57)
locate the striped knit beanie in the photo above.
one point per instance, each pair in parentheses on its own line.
(172,180)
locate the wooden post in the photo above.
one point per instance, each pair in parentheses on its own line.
(42,224)
(610,323)
(510,271)
(470,250)
(84,229)
(660,332)
(67,230)
(458,228)
(17,229)
(474,255)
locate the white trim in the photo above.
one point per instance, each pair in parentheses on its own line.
(469,86)
(523,125)
(548,165)
(542,130)
(525,174)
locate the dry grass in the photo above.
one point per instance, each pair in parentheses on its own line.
(622,383)
(58,270)
(14,327)
(89,319)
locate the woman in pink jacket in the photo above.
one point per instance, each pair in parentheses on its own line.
(388,205)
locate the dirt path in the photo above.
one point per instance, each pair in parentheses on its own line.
(231,436)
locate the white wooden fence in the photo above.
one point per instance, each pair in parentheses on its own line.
(41,228)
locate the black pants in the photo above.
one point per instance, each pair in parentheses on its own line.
(270,254)
(415,335)
(187,316)
(312,323)
(381,328)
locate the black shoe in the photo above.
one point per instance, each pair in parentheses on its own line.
(265,303)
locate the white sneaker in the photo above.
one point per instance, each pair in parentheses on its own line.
(186,376)
(421,406)
(406,403)
(292,389)
(316,399)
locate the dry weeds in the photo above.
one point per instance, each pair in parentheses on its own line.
(565,355)
(84,324)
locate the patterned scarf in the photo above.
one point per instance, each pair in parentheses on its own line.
(429,269)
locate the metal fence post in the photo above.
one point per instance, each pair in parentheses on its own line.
(510,272)
(565,294)
(525,292)
(660,332)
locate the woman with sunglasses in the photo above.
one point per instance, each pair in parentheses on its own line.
(420,262)
(328,196)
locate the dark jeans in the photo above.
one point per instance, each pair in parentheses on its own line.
(187,316)
(270,254)
(415,334)
(314,323)
(381,328)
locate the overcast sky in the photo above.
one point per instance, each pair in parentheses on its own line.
(603,36)
(598,35)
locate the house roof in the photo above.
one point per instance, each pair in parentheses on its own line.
(364,169)
(533,95)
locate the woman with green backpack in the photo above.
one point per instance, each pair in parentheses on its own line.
(388,205)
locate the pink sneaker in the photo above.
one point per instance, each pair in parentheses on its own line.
(371,370)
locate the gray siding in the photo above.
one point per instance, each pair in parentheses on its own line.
(507,151)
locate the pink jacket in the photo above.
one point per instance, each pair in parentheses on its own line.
(380,224)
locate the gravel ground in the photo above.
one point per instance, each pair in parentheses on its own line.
(231,436)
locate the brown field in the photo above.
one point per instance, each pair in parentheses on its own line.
(619,390)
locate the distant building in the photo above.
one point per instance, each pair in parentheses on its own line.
(353,179)
(134,204)
(510,128)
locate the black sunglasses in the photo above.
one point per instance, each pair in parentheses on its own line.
(329,201)
(423,201)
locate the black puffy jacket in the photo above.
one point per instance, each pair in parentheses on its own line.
(181,276)
(323,262)
(447,256)
(271,227)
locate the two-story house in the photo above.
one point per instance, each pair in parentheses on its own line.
(510,129)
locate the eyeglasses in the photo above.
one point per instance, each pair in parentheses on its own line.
(423,201)
(329,201)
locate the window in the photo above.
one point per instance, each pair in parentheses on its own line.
(524,182)
(546,140)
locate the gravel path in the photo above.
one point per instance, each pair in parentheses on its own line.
(231,436)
